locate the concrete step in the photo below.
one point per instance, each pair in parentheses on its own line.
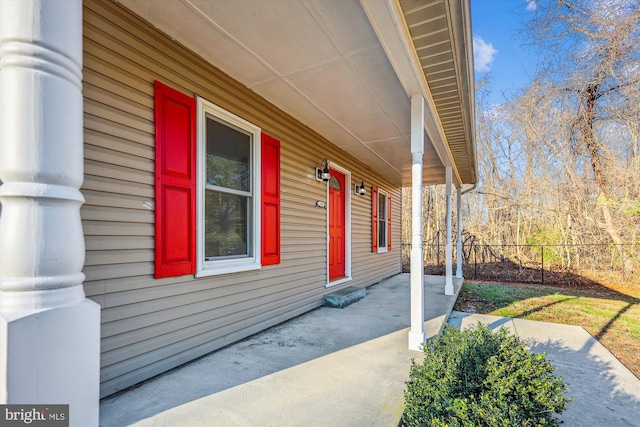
(344,297)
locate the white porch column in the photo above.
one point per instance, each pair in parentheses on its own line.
(416,333)
(459,240)
(448,287)
(49,331)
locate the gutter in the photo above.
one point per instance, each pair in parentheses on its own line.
(469,189)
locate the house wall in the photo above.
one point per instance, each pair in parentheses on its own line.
(148,325)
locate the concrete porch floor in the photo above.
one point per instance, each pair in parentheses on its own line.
(348,367)
(328,367)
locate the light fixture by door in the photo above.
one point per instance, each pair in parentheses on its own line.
(360,190)
(322,173)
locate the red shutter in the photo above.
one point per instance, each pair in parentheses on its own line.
(389,223)
(175,183)
(270,214)
(374,219)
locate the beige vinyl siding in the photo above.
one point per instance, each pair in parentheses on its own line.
(148,325)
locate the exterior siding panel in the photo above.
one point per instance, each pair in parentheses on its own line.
(149,325)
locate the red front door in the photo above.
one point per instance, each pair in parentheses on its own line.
(337,228)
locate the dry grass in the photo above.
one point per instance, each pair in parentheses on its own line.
(610,313)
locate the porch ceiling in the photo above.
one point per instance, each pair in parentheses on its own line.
(323,63)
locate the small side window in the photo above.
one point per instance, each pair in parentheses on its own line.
(382,222)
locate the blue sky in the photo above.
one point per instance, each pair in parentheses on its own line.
(498,48)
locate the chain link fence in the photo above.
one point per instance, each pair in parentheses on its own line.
(567,264)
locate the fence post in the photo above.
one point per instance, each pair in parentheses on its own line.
(475,263)
(622,260)
(542,263)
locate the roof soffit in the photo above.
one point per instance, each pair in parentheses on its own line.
(441,33)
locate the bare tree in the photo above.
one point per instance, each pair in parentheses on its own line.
(559,163)
(593,57)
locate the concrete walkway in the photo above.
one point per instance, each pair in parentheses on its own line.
(348,367)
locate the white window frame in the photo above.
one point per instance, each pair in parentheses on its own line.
(385,214)
(232,265)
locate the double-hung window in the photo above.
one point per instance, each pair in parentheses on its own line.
(228,202)
(217,189)
(380,221)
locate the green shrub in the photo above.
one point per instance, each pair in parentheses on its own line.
(479,378)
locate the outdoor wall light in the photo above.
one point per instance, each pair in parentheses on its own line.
(360,190)
(322,173)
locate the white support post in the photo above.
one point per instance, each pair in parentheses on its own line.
(448,287)
(417,334)
(49,331)
(459,234)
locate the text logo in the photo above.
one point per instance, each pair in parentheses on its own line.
(34,415)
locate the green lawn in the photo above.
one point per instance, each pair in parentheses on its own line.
(611,314)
